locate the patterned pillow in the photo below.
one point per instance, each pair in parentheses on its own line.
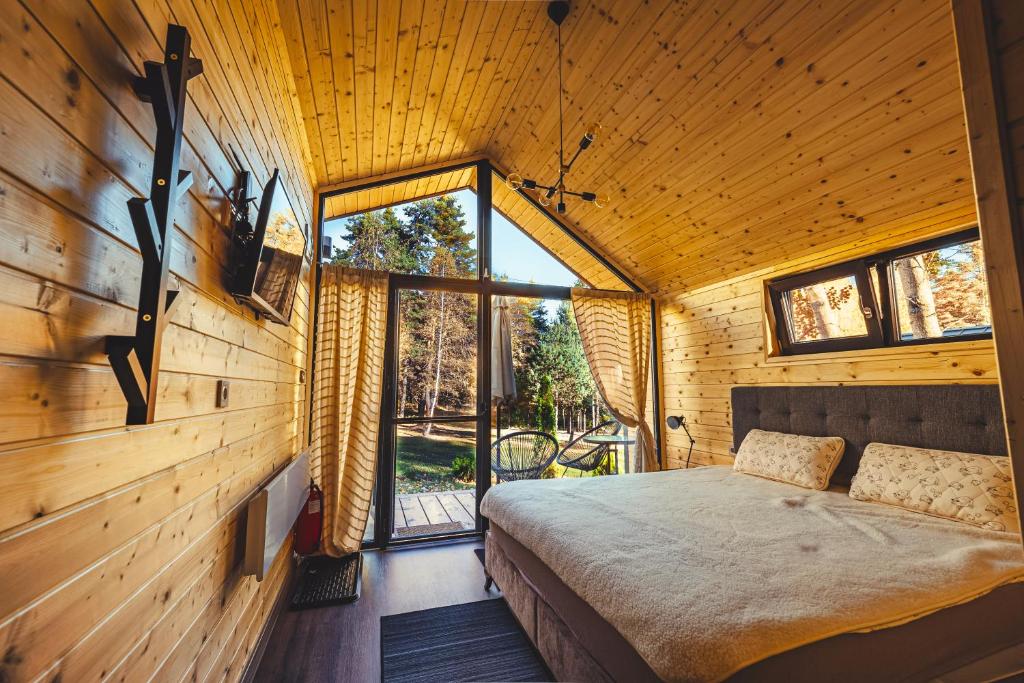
(807,461)
(975,489)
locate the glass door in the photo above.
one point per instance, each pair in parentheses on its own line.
(555,392)
(433,413)
(432,231)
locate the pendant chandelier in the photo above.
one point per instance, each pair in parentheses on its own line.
(557,12)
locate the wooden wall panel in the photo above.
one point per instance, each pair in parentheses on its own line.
(713,338)
(990,45)
(853,142)
(138,529)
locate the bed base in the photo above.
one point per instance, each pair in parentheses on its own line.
(566,657)
(574,657)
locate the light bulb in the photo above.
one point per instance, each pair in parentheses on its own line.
(592,131)
(602,200)
(514,181)
(544,199)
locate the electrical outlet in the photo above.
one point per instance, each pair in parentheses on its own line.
(223,392)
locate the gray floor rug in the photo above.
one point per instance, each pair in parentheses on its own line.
(476,641)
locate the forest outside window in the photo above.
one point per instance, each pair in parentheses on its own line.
(927,292)
(434,236)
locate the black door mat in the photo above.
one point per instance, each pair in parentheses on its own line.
(477,641)
(325,581)
(430,529)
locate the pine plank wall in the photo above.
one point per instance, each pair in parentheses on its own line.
(713,338)
(119,547)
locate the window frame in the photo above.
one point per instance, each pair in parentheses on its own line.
(859,271)
(883,325)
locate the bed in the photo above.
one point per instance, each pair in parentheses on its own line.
(708,574)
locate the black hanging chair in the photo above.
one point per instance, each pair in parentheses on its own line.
(522,455)
(586,457)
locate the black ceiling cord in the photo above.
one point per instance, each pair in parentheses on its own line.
(561,136)
(557,12)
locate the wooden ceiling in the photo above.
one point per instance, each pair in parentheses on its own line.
(349,203)
(736,134)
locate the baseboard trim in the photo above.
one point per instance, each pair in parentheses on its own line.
(253,665)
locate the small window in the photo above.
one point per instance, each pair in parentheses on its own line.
(933,291)
(826,310)
(941,293)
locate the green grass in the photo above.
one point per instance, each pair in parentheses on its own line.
(424,463)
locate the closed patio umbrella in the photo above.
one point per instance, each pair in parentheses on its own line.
(503,378)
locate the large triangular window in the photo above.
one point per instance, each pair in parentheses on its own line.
(428,226)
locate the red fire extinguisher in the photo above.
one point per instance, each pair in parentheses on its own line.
(310,523)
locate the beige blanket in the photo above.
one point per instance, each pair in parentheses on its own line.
(706,571)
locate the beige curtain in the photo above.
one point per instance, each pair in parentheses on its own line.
(616,331)
(352,323)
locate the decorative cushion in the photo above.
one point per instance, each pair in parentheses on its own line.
(970,488)
(807,461)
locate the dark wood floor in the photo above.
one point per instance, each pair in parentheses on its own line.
(343,643)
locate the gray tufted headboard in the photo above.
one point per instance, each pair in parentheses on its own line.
(955,417)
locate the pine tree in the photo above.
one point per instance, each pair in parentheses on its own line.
(373,242)
(559,356)
(436,227)
(546,408)
(449,318)
(539,313)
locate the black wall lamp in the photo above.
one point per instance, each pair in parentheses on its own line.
(677,421)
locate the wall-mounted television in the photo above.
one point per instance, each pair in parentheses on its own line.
(270,256)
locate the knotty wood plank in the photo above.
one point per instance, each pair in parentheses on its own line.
(986,79)
(135,516)
(89,531)
(413,510)
(642,70)
(153,565)
(433,509)
(214,617)
(455,510)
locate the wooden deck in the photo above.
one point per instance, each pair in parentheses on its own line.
(442,508)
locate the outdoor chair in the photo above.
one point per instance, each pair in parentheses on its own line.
(586,457)
(522,455)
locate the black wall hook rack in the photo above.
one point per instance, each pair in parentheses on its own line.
(136,359)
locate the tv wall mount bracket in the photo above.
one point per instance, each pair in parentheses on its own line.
(136,359)
(241,197)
